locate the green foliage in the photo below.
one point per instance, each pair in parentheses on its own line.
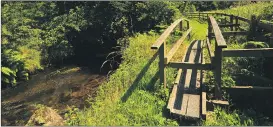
(41,34)
(221,117)
(136,98)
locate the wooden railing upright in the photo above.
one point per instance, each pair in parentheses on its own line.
(160,45)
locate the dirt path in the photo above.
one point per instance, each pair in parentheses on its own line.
(60,89)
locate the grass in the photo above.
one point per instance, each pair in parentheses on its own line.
(133,95)
(246,11)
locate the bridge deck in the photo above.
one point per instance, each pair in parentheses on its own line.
(185,97)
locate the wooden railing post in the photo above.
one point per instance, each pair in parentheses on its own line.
(181,26)
(209,29)
(218,71)
(231,22)
(236,22)
(162,65)
(188,27)
(199,15)
(253,28)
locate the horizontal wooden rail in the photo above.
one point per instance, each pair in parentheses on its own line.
(266,26)
(261,52)
(217,32)
(228,25)
(165,34)
(229,33)
(189,65)
(175,47)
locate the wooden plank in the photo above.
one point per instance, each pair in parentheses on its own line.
(184,106)
(193,108)
(175,47)
(162,71)
(218,71)
(204,105)
(178,77)
(243,19)
(266,26)
(217,32)
(257,52)
(219,102)
(165,34)
(228,25)
(251,87)
(190,65)
(172,98)
(229,33)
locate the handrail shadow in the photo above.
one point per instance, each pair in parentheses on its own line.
(139,77)
(192,84)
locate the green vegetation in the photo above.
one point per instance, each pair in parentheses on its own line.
(45,34)
(221,117)
(41,34)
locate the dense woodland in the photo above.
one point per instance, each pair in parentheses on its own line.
(36,35)
(116,35)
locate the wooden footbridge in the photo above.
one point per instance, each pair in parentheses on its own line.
(188,96)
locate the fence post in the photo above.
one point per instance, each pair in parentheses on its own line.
(231,22)
(209,29)
(188,27)
(199,16)
(236,22)
(162,65)
(181,26)
(253,28)
(218,71)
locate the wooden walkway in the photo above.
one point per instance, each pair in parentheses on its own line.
(185,97)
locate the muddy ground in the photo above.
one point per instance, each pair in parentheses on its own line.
(59,89)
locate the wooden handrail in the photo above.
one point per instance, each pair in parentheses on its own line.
(217,32)
(257,52)
(190,65)
(175,47)
(165,34)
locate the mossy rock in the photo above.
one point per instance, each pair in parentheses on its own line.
(45,116)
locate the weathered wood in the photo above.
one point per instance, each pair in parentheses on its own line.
(228,25)
(184,106)
(266,26)
(193,108)
(181,26)
(219,102)
(230,33)
(165,34)
(175,47)
(231,21)
(162,72)
(190,65)
(243,19)
(217,32)
(172,98)
(236,22)
(218,71)
(257,52)
(250,87)
(178,77)
(204,106)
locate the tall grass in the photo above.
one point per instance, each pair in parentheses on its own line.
(246,11)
